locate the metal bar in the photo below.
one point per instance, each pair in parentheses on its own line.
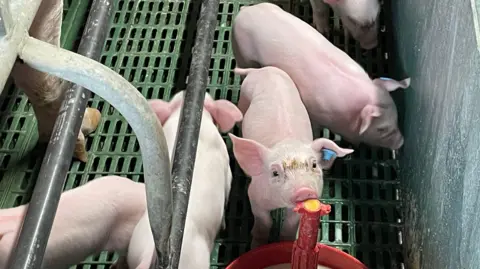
(46,195)
(189,125)
(16,28)
(116,90)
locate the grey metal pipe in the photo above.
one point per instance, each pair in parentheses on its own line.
(40,214)
(24,11)
(189,125)
(109,85)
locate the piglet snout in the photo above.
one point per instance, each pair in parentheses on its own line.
(303,194)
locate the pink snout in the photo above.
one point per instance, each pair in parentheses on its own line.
(303,194)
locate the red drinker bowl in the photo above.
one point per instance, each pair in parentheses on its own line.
(281,252)
(303,253)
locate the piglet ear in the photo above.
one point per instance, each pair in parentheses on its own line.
(250,155)
(328,151)
(391,84)
(366,115)
(162,109)
(224,113)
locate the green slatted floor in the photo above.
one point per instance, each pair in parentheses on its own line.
(149,44)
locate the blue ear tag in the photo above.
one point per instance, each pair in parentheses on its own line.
(328,154)
(384,78)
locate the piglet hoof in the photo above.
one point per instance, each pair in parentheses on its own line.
(80,152)
(91,119)
(90,122)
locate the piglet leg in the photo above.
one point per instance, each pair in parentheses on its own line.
(90,122)
(261,226)
(290,226)
(320,12)
(44,91)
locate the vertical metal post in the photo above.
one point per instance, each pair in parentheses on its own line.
(41,212)
(189,126)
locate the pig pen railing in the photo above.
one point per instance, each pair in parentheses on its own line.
(57,159)
(114,89)
(85,72)
(189,125)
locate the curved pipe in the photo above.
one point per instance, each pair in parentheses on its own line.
(116,90)
(31,245)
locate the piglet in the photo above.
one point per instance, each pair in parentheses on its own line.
(359,18)
(336,91)
(278,150)
(98,216)
(44,91)
(210,187)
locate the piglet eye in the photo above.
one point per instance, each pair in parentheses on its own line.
(314,165)
(275,173)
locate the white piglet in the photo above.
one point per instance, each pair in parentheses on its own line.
(98,216)
(359,18)
(210,187)
(278,150)
(337,92)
